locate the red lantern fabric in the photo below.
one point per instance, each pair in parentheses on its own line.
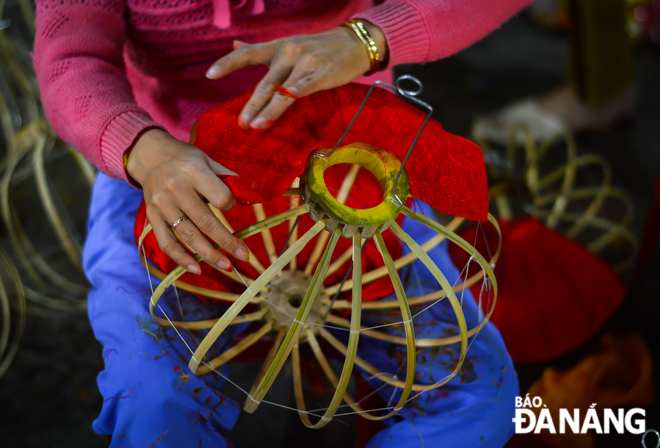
(553,294)
(445,170)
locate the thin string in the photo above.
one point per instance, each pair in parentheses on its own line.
(314,412)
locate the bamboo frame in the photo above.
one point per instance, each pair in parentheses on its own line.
(297,330)
(28,135)
(351,352)
(297,325)
(557,198)
(54,290)
(12,329)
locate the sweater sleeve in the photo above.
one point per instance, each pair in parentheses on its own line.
(78,60)
(426,30)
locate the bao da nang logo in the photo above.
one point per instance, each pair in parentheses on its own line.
(533,416)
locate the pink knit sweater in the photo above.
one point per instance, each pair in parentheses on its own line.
(109,69)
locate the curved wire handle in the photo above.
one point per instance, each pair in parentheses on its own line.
(407,94)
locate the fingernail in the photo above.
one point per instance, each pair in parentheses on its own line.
(259,123)
(243,121)
(242,254)
(293,91)
(194,269)
(224,265)
(213,72)
(238,44)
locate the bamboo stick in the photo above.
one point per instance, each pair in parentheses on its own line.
(353,340)
(298,324)
(440,277)
(236,350)
(268,360)
(252,259)
(293,229)
(245,298)
(400,262)
(266,236)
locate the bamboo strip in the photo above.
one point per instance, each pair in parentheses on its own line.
(244,299)
(321,243)
(440,277)
(271,222)
(426,298)
(353,339)
(236,350)
(208,323)
(347,184)
(71,247)
(268,360)
(299,322)
(8,350)
(327,369)
(293,191)
(188,287)
(340,260)
(266,236)
(293,230)
(400,262)
(32,262)
(252,259)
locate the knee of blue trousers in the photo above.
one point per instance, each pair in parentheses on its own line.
(172,408)
(148,393)
(147,388)
(459,416)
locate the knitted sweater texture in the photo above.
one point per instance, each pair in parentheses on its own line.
(109,69)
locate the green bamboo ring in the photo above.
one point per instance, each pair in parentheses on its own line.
(383,165)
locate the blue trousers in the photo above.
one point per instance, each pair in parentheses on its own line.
(150,396)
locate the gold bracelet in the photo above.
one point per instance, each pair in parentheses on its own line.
(369,43)
(125,158)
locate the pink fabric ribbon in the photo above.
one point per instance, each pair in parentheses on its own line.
(222,10)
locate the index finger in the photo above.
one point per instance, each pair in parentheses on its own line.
(241,57)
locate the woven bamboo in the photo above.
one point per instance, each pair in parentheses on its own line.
(571,193)
(12,311)
(51,288)
(29,147)
(19,92)
(292,326)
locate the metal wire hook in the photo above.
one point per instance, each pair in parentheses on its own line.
(407,94)
(647,433)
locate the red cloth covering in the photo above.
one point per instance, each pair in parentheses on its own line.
(553,294)
(444,170)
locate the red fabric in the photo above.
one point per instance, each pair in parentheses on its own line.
(241,216)
(553,294)
(446,171)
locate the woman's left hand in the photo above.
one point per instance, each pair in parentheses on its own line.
(301,65)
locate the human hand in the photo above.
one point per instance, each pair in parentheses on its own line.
(179,180)
(301,65)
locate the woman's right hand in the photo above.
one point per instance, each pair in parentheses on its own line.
(179,180)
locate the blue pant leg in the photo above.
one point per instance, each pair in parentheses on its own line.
(475,408)
(149,394)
